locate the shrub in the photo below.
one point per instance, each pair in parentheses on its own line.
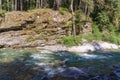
(69,24)
(70,40)
(95,29)
(2,12)
(111,28)
(109,36)
(63,11)
(103,20)
(112,37)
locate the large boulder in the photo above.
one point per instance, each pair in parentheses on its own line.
(74,73)
(7,76)
(115,75)
(100,77)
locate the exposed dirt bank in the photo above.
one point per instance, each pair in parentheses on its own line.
(33,28)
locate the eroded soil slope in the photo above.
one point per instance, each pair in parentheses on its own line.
(33,28)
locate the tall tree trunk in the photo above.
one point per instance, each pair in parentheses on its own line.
(41,3)
(13,5)
(0,4)
(37,3)
(80,4)
(73,18)
(57,4)
(21,5)
(16,4)
(8,5)
(86,10)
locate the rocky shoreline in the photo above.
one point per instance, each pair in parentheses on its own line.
(86,47)
(33,30)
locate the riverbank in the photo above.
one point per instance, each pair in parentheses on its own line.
(86,47)
(43,28)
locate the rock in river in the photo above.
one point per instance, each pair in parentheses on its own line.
(75,73)
(7,76)
(115,75)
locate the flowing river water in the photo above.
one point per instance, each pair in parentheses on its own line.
(91,63)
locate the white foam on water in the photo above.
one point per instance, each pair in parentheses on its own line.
(41,64)
(93,56)
(48,68)
(47,51)
(37,56)
(4,54)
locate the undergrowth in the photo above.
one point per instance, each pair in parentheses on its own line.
(96,35)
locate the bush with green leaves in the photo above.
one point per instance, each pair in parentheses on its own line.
(113,38)
(97,35)
(2,12)
(103,20)
(70,40)
(63,11)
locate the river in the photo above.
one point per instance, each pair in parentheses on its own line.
(92,63)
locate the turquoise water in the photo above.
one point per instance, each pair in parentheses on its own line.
(93,62)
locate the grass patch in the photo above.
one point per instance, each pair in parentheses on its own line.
(97,35)
(112,37)
(63,11)
(70,40)
(2,12)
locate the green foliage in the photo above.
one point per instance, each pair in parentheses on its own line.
(70,40)
(112,37)
(2,12)
(88,37)
(96,35)
(93,37)
(69,23)
(78,17)
(111,28)
(63,11)
(95,29)
(96,32)
(103,20)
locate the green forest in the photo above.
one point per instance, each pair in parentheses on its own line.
(103,16)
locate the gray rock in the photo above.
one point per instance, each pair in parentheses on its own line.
(73,72)
(100,77)
(116,66)
(37,77)
(1,46)
(115,75)
(7,76)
